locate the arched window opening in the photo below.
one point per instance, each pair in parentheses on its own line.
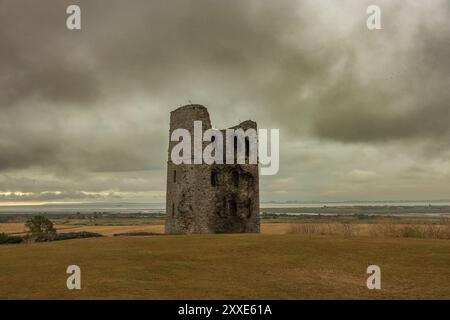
(214,178)
(249,207)
(247,147)
(232,207)
(235,144)
(235,178)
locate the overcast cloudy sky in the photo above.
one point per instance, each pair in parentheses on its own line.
(363,115)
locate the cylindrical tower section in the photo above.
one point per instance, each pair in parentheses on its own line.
(189,194)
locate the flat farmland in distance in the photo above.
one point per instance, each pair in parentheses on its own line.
(110,230)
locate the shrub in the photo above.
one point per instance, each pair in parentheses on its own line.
(40,227)
(68,235)
(6,239)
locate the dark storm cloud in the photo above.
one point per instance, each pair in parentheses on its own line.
(406,99)
(62,141)
(165,50)
(87,110)
(36,60)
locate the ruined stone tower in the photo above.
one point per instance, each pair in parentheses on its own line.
(202,198)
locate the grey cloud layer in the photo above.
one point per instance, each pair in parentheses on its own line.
(89,110)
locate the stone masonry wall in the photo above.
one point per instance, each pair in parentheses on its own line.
(197,204)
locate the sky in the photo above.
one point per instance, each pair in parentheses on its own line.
(363,114)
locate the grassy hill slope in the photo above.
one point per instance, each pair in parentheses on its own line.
(235,266)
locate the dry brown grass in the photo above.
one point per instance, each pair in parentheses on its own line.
(343,229)
(111,230)
(232,266)
(11,228)
(275,228)
(384,229)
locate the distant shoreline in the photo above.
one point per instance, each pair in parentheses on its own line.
(328,208)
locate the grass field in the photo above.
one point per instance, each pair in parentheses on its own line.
(234,266)
(294,257)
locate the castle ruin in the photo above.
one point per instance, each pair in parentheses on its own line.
(203,198)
